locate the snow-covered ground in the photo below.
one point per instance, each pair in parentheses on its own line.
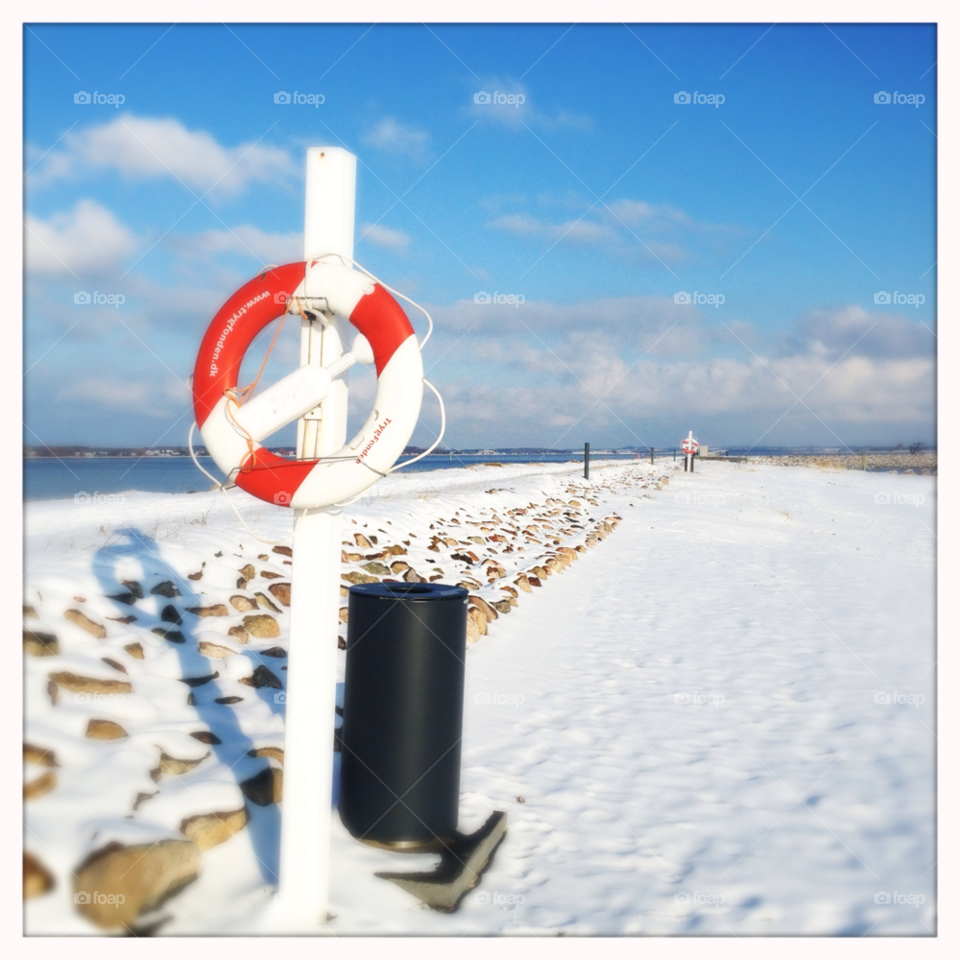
(720,719)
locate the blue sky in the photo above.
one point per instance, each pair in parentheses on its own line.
(797,200)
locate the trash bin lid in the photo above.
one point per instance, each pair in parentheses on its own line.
(410,591)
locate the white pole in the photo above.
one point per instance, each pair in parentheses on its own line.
(315,595)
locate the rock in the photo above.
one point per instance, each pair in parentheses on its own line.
(380,569)
(239,634)
(399,566)
(411,576)
(38,644)
(209,829)
(282,592)
(541,572)
(214,650)
(42,785)
(270,575)
(75,684)
(170,614)
(262,626)
(284,551)
(341,643)
(264,788)
(123,620)
(134,587)
(479,540)
(38,756)
(226,701)
(114,664)
(512,591)
(97,630)
(555,565)
(523,583)
(344,591)
(199,681)
(144,876)
(166,589)
(354,577)
(473,631)
(105,730)
(534,581)
(264,601)
(274,753)
(485,607)
(214,610)
(174,636)
(195,576)
(277,652)
(263,677)
(361,541)
(350,557)
(263,557)
(29,611)
(173,767)
(248,572)
(344,614)
(128,598)
(239,602)
(205,736)
(477,616)
(502,606)
(37,879)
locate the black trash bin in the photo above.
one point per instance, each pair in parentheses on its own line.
(403,713)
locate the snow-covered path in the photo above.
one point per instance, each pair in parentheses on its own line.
(704,721)
(720,719)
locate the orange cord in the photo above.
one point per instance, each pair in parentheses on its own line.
(240,397)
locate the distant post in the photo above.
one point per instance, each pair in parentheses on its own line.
(689,447)
(651,454)
(586,461)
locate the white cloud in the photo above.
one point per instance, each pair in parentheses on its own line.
(85,241)
(143,148)
(245,240)
(381,236)
(391,136)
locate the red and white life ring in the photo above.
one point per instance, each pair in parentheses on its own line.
(396,354)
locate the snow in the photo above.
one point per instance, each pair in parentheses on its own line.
(720,719)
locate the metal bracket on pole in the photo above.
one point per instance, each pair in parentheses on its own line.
(315,595)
